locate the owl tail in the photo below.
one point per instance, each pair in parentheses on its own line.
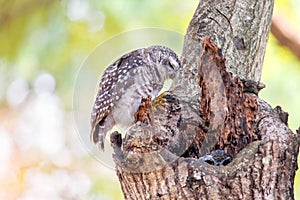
(101,141)
(100,130)
(98,136)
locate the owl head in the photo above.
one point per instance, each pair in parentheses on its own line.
(166,59)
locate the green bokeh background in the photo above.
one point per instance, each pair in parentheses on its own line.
(43,44)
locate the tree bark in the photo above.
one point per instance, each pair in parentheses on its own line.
(204,112)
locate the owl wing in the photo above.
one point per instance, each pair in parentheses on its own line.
(104,100)
(109,92)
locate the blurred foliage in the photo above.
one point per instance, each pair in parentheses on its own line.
(51,38)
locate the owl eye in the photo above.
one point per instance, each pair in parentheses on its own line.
(170,65)
(173,63)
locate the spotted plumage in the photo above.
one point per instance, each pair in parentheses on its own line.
(136,75)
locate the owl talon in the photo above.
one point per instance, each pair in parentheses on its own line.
(162,98)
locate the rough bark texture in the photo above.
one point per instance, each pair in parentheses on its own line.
(228,110)
(160,159)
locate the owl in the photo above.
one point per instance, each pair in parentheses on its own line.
(216,157)
(136,75)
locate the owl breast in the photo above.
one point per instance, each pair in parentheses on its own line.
(142,82)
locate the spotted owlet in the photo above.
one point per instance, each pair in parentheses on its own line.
(136,75)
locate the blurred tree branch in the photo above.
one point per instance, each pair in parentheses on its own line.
(286,34)
(12,10)
(15,17)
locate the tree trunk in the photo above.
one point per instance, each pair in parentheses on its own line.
(208,109)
